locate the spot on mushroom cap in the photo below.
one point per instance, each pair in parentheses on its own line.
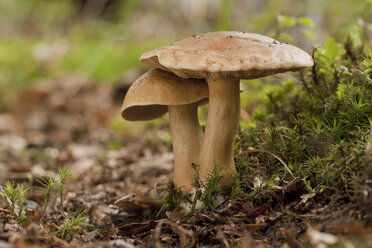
(227,54)
(149,96)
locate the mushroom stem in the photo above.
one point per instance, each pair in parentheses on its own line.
(187,137)
(222,125)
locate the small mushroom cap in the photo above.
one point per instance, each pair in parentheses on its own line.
(149,96)
(227,54)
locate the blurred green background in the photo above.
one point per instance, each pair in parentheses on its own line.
(101,40)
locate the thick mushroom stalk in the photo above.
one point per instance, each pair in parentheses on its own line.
(187,138)
(222,123)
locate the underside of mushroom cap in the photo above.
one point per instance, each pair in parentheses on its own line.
(227,54)
(150,95)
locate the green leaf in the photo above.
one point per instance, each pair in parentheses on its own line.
(305,22)
(285,37)
(331,49)
(309,33)
(286,21)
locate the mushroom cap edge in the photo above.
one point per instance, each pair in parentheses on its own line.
(149,96)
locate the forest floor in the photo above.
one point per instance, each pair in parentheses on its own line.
(120,182)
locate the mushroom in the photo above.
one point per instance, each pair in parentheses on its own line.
(157,92)
(223,58)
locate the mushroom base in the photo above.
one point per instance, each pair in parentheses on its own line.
(222,124)
(187,137)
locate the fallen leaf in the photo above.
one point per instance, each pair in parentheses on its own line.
(258,211)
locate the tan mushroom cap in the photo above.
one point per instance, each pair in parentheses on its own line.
(227,54)
(149,96)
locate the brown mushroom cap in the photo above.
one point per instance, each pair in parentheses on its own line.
(149,96)
(227,54)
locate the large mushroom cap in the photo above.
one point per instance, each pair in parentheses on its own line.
(150,95)
(228,54)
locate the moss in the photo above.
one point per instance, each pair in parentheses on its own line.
(317,127)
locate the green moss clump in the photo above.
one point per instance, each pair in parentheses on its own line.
(318,126)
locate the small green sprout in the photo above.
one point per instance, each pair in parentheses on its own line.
(172,199)
(11,193)
(262,193)
(63,173)
(236,190)
(16,197)
(21,197)
(49,185)
(72,226)
(211,186)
